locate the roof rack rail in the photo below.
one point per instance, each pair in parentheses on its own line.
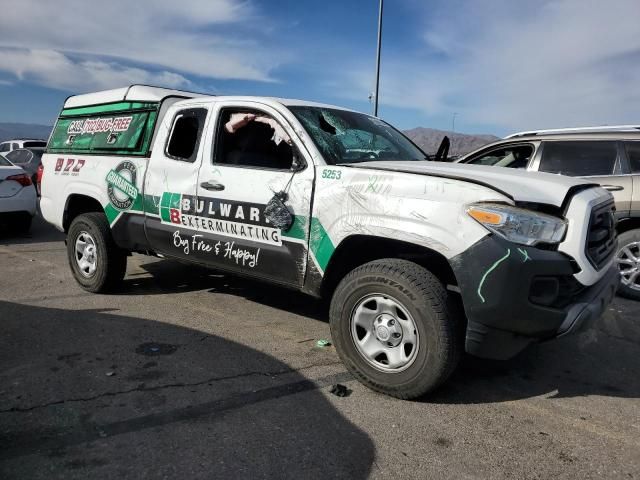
(558,131)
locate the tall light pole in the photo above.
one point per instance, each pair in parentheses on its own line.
(375,93)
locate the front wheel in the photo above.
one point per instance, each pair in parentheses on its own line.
(97,263)
(395,328)
(628,262)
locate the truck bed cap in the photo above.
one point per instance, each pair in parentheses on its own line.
(135,93)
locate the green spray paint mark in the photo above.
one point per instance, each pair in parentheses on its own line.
(525,255)
(491,269)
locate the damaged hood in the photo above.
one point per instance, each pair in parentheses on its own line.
(520,185)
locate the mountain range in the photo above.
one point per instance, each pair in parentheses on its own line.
(9,131)
(426,138)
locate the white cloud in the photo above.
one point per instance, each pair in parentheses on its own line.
(207,38)
(56,70)
(521,65)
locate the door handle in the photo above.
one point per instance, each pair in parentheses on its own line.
(613,188)
(212,186)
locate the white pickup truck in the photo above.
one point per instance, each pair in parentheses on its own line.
(421,260)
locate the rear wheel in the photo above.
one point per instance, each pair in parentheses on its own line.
(395,328)
(628,262)
(97,263)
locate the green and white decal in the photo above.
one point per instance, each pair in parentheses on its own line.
(121,185)
(244,221)
(124,195)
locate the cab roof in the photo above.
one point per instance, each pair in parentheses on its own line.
(287,102)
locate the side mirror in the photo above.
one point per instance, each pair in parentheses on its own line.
(443,150)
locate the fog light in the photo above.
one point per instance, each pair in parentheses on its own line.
(544,290)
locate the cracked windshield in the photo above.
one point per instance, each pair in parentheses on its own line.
(348,137)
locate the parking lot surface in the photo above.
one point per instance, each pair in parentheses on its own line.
(190,373)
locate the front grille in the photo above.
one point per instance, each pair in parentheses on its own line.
(601,236)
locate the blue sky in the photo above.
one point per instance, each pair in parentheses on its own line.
(500,65)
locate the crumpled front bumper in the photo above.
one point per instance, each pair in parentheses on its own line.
(514,296)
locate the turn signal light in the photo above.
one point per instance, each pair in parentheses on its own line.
(484,216)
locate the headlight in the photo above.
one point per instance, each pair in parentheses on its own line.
(517,224)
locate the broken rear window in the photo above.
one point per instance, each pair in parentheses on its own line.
(350,137)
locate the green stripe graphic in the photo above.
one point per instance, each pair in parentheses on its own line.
(320,244)
(108,108)
(111,212)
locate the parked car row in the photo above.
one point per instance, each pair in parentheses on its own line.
(18,197)
(10,145)
(20,165)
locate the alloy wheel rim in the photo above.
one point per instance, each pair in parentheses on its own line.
(628,261)
(86,254)
(384,333)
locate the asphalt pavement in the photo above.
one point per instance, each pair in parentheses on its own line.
(190,373)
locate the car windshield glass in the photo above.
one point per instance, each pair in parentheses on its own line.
(516,156)
(348,137)
(4,162)
(20,157)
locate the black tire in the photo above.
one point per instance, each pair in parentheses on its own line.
(437,318)
(625,239)
(111,261)
(22,224)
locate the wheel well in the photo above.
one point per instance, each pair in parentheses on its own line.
(628,224)
(77,205)
(360,249)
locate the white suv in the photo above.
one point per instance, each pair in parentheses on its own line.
(609,156)
(10,145)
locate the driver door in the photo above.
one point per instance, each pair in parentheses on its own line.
(241,178)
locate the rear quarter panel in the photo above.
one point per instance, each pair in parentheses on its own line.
(65,175)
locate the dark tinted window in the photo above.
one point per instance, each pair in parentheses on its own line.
(5,147)
(185,134)
(579,158)
(252,139)
(516,156)
(34,144)
(633,152)
(19,157)
(4,162)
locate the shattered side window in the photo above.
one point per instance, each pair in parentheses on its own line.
(350,137)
